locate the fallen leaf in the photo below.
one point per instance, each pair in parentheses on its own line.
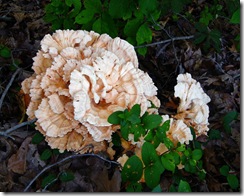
(17,162)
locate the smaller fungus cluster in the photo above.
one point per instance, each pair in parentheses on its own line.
(192,112)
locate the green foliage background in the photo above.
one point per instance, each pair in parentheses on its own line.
(136,20)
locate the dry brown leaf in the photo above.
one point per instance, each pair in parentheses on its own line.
(17,162)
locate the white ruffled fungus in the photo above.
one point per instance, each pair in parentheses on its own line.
(193,108)
(178,131)
(80,79)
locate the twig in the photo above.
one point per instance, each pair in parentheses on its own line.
(63,160)
(166,41)
(8,86)
(8,131)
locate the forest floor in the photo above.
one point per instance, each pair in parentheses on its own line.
(21,29)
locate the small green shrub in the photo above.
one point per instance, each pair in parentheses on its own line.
(132,20)
(231,178)
(151,164)
(135,20)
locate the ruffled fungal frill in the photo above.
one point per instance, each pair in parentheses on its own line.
(193,108)
(79,79)
(178,131)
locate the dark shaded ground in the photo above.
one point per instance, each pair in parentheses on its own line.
(21,29)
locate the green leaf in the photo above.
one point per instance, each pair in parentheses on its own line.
(184,186)
(37,138)
(150,135)
(201,27)
(118,9)
(134,114)
(77,7)
(214,134)
(189,166)
(235,19)
(94,6)
(132,26)
(155,16)
(134,119)
(48,180)
(144,34)
(134,187)
(199,38)
(153,173)
(172,188)
(206,18)
(149,154)
(105,24)
(177,5)
(66,176)
(69,2)
(161,130)
(5,52)
(155,142)
(114,118)
(197,154)
(215,36)
(142,51)
(125,130)
(168,143)
(48,9)
(168,162)
(56,3)
(57,24)
(46,154)
(147,6)
(157,189)
(176,157)
(138,131)
(181,148)
(202,174)
(233,181)
(56,151)
(136,110)
(228,118)
(187,152)
(151,121)
(132,170)
(84,17)
(192,162)
(68,23)
(224,170)
(50,18)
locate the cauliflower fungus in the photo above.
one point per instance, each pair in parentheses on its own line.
(79,79)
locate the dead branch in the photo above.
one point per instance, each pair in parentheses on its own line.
(8,131)
(166,41)
(8,86)
(66,159)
